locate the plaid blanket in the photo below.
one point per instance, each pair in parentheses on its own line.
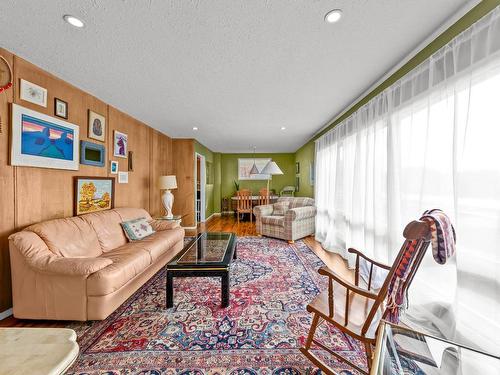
(443,240)
(443,235)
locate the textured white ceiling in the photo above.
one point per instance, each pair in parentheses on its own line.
(237,69)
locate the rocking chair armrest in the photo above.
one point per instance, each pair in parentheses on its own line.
(378,264)
(325,271)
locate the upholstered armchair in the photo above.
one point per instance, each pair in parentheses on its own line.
(288,219)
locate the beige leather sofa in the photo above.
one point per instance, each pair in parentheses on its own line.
(83,267)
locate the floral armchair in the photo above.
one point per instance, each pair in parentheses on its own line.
(294,222)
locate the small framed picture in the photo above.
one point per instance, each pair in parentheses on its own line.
(297,168)
(33,93)
(97,126)
(123,177)
(114,167)
(60,108)
(93,194)
(120,143)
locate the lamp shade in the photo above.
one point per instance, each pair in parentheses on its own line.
(167,182)
(271,168)
(254,169)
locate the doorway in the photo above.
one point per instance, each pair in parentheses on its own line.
(200,182)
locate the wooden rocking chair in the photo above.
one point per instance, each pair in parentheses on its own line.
(357,310)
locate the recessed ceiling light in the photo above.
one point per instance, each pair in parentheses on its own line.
(195,128)
(283,128)
(73,21)
(333,16)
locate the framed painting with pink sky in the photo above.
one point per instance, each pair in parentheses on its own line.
(42,141)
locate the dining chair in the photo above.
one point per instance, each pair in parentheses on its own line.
(356,309)
(263,197)
(243,203)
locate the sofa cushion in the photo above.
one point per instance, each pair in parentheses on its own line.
(297,201)
(162,242)
(137,229)
(127,213)
(107,226)
(71,237)
(129,260)
(280,208)
(273,220)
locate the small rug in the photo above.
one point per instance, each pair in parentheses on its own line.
(259,333)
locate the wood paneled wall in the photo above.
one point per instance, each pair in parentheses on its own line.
(29,195)
(183,167)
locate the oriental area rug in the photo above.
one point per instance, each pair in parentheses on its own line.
(259,333)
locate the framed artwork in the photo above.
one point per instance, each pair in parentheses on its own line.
(120,143)
(60,108)
(311,173)
(245,165)
(92,154)
(93,194)
(297,184)
(297,168)
(130,161)
(97,126)
(113,167)
(42,141)
(123,177)
(33,93)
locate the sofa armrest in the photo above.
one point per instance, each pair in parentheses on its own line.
(159,225)
(264,210)
(38,256)
(299,213)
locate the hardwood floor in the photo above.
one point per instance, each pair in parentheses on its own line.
(225,223)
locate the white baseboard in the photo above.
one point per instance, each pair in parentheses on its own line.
(5,314)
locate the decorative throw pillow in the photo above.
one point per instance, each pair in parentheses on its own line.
(137,229)
(280,208)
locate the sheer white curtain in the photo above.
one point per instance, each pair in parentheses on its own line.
(432,140)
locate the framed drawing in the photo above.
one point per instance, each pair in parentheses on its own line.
(297,184)
(297,167)
(42,141)
(60,108)
(97,126)
(123,177)
(113,167)
(245,165)
(33,93)
(311,173)
(92,154)
(93,194)
(120,143)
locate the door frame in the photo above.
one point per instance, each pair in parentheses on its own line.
(203,181)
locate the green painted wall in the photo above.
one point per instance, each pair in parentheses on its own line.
(229,173)
(209,188)
(305,154)
(217,182)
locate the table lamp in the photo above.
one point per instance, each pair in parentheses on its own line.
(166,183)
(271,169)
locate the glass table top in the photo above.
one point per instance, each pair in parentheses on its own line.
(209,248)
(404,351)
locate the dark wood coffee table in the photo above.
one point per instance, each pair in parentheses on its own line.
(209,254)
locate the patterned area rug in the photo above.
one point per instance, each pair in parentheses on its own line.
(259,333)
